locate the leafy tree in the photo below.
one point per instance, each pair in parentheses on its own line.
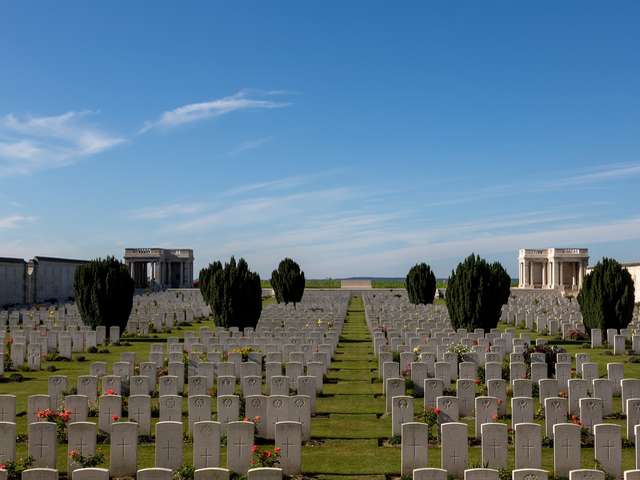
(607,296)
(233,292)
(421,284)
(476,292)
(288,282)
(104,292)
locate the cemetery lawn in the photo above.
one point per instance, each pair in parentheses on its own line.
(350,431)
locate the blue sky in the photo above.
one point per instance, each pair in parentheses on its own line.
(356,137)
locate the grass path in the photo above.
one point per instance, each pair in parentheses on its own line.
(349,421)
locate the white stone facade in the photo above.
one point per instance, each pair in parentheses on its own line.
(552,268)
(160,267)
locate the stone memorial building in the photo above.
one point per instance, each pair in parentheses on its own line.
(553,268)
(159,267)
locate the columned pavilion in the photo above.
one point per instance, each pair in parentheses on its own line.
(553,268)
(159,267)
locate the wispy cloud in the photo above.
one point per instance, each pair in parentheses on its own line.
(599,174)
(242,100)
(249,145)
(266,209)
(33,143)
(281,183)
(166,211)
(15,221)
(595,175)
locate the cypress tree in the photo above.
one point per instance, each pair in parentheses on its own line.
(233,292)
(288,282)
(104,293)
(421,284)
(607,296)
(476,292)
(205,278)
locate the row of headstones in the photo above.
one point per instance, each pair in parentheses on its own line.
(213,473)
(454,447)
(264,346)
(314,310)
(169,445)
(276,383)
(492,360)
(225,373)
(265,410)
(578,403)
(518,474)
(65,316)
(418,372)
(615,339)
(486,409)
(32,350)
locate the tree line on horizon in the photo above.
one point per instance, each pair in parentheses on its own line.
(476,292)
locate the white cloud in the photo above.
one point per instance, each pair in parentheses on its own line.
(166,211)
(214,108)
(249,145)
(15,221)
(32,143)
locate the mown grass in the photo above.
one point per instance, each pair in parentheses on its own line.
(350,427)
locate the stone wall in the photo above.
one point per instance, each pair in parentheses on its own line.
(13,277)
(51,278)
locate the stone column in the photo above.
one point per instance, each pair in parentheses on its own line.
(580,274)
(531,275)
(561,282)
(520,280)
(544,274)
(181,274)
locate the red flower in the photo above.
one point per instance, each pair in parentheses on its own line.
(267,454)
(437,411)
(254,448)
(110,392)
(3,466)
(477,381)
(257,418)
(115,418)
(245,419)
(494,418)
(73,453)
(277,449)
